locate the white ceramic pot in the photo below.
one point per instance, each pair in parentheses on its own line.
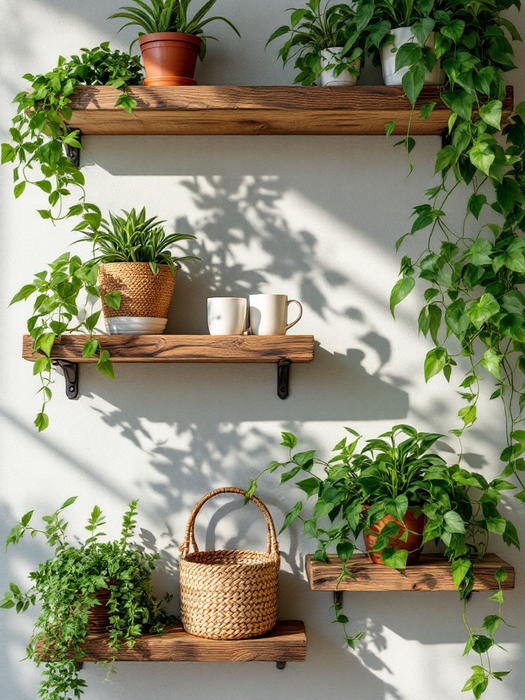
(226,315)
(327,77)
(403,35)
(135,325)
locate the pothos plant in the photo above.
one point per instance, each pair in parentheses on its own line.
(473,306)
(68,588)
(40,129)
(391,475)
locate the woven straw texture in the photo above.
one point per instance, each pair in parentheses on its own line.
(229,594)
(142,292)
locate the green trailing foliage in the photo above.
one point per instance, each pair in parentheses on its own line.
(315,28)
(391,475)
(40,132)
(66,587)
(170,16)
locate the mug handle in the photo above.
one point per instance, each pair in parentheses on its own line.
(294,301)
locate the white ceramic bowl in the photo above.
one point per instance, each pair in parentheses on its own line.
(135,325)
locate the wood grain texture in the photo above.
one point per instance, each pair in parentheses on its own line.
(272,110)
(431,573)
(184,348)
(286,642)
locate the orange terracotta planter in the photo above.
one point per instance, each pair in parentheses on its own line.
(169,58)
(414,543)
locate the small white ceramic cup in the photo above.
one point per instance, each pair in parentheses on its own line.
(226,315)
(269,314)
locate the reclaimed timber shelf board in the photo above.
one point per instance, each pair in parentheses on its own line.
(257,110)
(183,348)
(286,642)
(431,573)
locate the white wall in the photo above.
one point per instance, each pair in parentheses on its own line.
(313,217)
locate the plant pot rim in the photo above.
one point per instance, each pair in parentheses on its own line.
(170,36)
(136,264)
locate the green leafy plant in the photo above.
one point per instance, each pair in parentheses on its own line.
(315,28)
(390,476)
(170,16)
(132,238)
(474,308)
(64,295)
(68,587)
(40,131)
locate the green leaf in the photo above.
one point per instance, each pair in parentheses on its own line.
(482,310)
(460,568)
(41,421)
(395,558)
(476,203)
(491,361)
(104,364)
(309,486)
(345,551)
(91,348)
(435,361)
(491,113)
(401,289)
(482,157)
(389,128)
(413,82)
(427,109)
(288,440)
(19,189)
(113,300)
(292,515)
(454,522)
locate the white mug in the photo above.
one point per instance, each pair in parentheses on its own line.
(269,314)
(226,315)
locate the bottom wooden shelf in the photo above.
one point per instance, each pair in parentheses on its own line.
(286,642)
(431,573)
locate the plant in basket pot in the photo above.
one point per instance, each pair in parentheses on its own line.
(325,43)
(399,495)
(171,40)
(136,269)
(85,588)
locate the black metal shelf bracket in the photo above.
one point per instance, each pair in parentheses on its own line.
(283,378)
(280,665)
(70,370)
(73,153)
(79,665)
(338,598)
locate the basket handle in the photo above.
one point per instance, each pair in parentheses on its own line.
(189,537)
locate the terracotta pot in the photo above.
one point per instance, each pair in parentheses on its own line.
(169,58)
(414,543)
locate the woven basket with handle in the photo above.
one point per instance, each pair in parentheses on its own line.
(228,594)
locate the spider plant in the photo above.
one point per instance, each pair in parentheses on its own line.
(133,238)
(169,16)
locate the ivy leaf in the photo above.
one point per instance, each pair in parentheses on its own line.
(460,568)
(345,551)
(476,203)
(413,82)
(113,300)
(292,515)
(482,310)
(454,522)
(395,558)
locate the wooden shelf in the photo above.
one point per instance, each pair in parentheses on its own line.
(183,348)
(282,350)
(272,110)
(431,573)
(286,642)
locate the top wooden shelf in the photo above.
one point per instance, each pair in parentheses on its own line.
(431,573)
(256,110)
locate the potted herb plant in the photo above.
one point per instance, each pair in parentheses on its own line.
(325,43)
(171,40)
(84,588)
(136,269)
(40,133)
(371,491)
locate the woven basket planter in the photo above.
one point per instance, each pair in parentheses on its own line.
(143,294)
(228,594)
